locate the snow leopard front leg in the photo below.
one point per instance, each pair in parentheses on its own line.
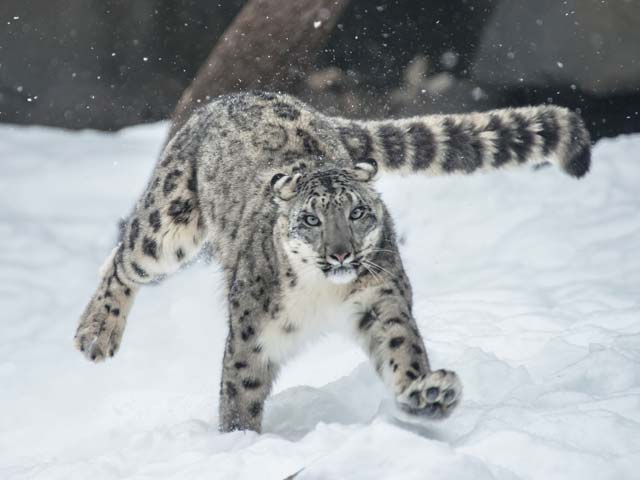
(246,382)
(247,375)
(391,337)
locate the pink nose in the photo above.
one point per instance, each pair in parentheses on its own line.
(340,257)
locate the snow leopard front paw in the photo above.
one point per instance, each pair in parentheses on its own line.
(434,396)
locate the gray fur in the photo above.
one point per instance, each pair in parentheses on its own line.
(251,174)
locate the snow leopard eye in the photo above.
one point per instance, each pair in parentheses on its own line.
(356,213)
(311,220)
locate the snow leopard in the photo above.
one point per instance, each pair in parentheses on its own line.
(285,198)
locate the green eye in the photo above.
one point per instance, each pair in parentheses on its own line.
(356,213)
(311,220)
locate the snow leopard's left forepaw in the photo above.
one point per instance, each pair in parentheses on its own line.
(433,396)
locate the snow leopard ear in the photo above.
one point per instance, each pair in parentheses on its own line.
(284,186)
(365,170)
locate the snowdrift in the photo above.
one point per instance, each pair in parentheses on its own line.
(526,283)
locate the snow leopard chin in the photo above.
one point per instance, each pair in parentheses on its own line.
(342,275)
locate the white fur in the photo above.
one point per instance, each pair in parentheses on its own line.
(316,305)
(108,262)
(342,277)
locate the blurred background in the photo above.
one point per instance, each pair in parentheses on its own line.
(106,64)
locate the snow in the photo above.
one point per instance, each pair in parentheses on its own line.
(526,283)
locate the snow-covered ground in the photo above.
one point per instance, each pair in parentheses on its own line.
(526,283)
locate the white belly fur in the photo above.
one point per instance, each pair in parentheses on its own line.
(313,307)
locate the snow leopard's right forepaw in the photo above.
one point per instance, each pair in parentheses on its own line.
(434,396)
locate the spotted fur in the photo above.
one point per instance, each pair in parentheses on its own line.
(284,195)
(444,144)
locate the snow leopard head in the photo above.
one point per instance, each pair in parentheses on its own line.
(334,218)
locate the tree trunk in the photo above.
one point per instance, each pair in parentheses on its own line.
(268,46)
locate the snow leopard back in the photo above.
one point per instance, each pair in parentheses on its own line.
(237,143)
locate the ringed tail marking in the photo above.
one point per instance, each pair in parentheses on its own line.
(466,143)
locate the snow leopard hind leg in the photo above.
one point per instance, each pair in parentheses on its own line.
(164,232)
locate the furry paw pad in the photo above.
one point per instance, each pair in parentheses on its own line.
(434,396)
(101,327)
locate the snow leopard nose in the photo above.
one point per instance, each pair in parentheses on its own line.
(340,257)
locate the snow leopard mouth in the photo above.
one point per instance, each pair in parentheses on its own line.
(341,274)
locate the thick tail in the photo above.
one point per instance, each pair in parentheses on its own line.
(465,143)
